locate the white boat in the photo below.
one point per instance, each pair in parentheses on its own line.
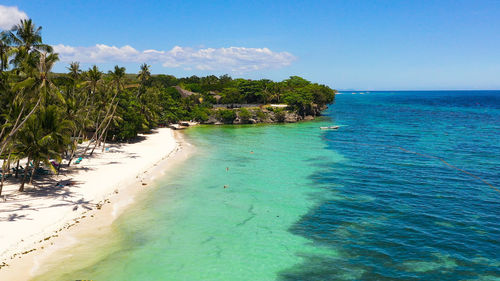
(329,128)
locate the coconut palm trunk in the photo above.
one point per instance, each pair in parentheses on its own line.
(19,126)
(34,169)
(17,169)
(104,141)
(74,148)
(80,134)
(4,172)
(23,181)
(105,130)
(96,133)
(5,123)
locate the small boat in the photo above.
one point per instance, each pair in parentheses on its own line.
(329,128)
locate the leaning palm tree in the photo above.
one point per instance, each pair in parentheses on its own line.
(5,170)
(32,82)
(33,92)
(25,141)
(117,80)
(93,81)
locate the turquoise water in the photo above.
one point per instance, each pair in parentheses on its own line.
(291,202)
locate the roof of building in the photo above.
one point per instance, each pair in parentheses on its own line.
(184,93)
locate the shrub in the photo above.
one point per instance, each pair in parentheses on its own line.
(244,115)
(226,115)
(280,114)
(200,114)
(261,115)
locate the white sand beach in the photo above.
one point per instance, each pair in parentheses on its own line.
(31,222)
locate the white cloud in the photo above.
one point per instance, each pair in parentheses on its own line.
(233,59)
(10,16)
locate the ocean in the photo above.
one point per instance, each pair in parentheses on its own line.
(408,188)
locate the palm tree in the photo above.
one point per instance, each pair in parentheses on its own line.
(74,70)
(5,168)
(117,77)
(143,76)
(91,86)
(27,37)
(25,142)
(57,131)
(93,76)
(45,136)
(144,73)
(5,50)
(93,82)
(34,67)
(35,87)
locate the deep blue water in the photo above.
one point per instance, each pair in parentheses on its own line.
(392,211)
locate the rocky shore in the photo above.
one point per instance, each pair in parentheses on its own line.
(257,115)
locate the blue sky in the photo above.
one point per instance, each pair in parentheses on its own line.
(368,45)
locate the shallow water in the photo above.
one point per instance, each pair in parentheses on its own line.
(306,204)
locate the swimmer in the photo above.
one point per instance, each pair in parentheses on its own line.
(227,169)
(226,186)
(251,152)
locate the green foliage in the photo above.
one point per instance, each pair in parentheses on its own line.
(163,81)
(280,114)
(226,115)
(193,87)
(244,115)
(200,114)
(231,95)
(130,121)
(261,115)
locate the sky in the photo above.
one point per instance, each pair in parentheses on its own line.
(363,45)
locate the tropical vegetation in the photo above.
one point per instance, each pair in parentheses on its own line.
(45,115)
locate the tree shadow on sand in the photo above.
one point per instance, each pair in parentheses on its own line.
(45,188)
(15,217)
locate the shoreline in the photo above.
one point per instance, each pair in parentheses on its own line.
(23,261)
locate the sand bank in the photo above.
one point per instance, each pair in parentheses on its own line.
(45,218)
